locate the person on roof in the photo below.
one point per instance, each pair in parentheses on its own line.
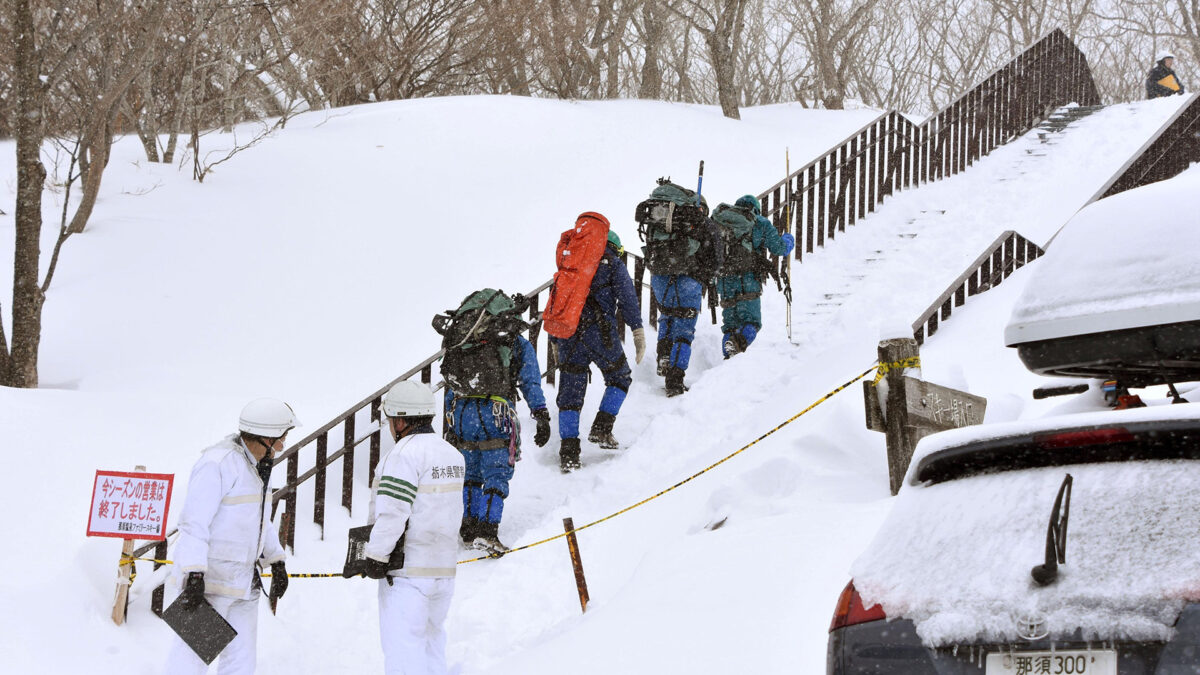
(1162,80)
(598,340)
(226,534)
(416,507)
(746,235)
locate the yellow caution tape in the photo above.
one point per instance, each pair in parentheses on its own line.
(703,471)
(883,368)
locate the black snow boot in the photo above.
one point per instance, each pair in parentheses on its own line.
(601,433)
(733,344)
(468,530)
(675,384)
(568,455)
(487,540)
(663,355)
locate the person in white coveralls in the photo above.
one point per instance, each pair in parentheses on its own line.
(416,505)
(226,532)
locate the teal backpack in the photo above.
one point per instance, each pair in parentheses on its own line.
(671,224)
(478,339)
(736,225)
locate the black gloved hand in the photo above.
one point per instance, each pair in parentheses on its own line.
(375,569)
(193,590)
(279,581)
(542,435)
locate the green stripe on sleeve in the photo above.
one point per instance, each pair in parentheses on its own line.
(397,488)
(397,482)
(385,492)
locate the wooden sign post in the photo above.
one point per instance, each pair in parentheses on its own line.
(124,572)
(914,408)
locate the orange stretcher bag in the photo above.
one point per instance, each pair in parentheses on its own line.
(579,252)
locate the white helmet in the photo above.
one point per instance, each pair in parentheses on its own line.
(1164,55)
(267,417)
(408,399)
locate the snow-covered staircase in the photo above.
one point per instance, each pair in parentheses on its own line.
(923,238)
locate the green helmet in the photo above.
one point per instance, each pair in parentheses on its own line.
(615,241)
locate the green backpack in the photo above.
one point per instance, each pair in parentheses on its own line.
(671,224)
(736,225)
(478,339)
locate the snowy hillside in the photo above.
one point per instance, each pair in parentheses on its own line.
(308,268)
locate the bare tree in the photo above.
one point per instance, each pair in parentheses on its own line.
(77,61)
(720,23)
(832,31)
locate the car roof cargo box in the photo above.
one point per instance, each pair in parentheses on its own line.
(1117,294)
(1138,357)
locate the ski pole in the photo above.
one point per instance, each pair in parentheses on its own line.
(712,285)
(787,264)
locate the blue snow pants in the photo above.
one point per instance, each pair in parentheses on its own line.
(743,315)
(574,355)
(679,298)
(482,429)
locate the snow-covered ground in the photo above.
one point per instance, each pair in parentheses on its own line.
(308,267)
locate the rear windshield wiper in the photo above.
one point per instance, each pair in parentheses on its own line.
(1056,537)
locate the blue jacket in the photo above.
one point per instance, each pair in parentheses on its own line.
(611,293)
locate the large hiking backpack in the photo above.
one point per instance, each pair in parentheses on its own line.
(579,252)
(672,223)
(736,225)
(478,339)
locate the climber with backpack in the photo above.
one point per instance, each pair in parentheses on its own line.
(683,255)
(586,331)
(486,363)
(746,237)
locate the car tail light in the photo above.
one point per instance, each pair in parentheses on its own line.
(850,610)
(1071,439)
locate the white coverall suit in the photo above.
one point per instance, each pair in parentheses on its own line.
(417,493)
(225,527)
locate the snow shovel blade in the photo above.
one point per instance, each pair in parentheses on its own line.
(205,631)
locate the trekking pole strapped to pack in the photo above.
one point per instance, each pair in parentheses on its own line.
(785,269)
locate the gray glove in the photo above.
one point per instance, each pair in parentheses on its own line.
(639,344)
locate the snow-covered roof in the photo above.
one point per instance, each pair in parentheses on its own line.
(1128,261)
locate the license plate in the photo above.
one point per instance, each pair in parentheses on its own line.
(1058,662)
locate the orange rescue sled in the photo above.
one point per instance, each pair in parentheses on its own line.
(579,252)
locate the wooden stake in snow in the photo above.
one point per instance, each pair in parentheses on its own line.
(124,570)
(576,562)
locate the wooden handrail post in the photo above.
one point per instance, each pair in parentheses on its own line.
(156,598)
(576,563)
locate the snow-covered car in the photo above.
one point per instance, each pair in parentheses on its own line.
(1117,294)
(992,561)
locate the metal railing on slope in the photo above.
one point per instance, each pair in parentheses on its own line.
(1175,147)
(890,154)
(1008,253)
